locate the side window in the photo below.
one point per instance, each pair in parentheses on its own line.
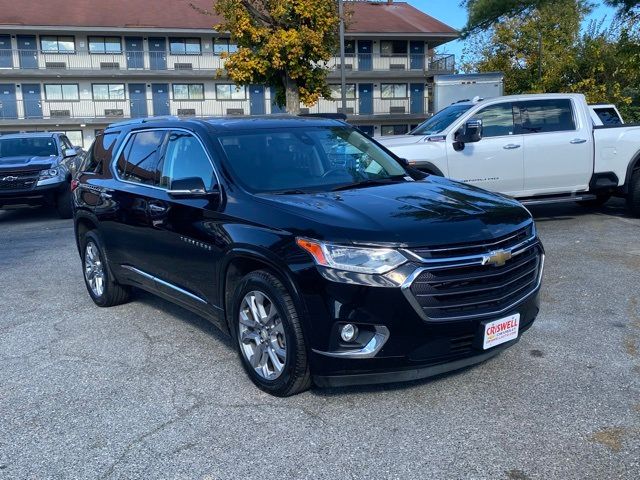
(65,142)
(99,154)
(140,157)
(608,116)
(497,120)
(185,158)
(544,116)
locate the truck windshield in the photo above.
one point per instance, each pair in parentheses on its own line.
(302,160)
(441,120)
(28,147)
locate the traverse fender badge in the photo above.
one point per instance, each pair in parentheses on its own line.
(497,258)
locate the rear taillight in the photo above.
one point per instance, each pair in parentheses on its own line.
(74,184)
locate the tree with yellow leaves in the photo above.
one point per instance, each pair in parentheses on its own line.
(281,43)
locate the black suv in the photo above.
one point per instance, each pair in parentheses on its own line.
(36,169)
(323,256)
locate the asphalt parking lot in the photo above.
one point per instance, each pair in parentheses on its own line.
(148,390)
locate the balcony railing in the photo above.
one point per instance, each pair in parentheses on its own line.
(119,109)
(165,61)
(372,62)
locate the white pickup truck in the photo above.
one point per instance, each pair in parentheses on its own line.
(537,148)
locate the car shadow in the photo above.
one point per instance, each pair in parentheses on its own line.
(182,314)
(26,215)
(615,207)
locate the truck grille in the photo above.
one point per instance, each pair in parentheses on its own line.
(20,180)
(457,283)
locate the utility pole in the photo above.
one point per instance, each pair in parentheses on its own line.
(343,73)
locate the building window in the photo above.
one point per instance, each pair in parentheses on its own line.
(393,47)
(57,91)
(387,130)
(75,137)
(224,45)
(393,90)
(229,91)
(57,44)
(192,91)
(185,46)
(336,91)
(105,45)
(349,47)
(108,91)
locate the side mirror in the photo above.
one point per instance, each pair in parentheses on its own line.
(191,187)
(471,132)
(69,152)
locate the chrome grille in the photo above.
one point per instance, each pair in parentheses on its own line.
(19,180)
(462,285)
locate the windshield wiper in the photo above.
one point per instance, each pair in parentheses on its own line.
(369,183)
(291,192)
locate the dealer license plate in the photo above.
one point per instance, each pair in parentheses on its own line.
(501,331)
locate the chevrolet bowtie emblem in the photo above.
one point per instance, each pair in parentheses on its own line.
(10,178)
(497,258)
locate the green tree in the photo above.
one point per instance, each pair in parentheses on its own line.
(483,14)
(281,43)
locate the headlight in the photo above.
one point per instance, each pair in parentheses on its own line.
(51,173)
(353,259)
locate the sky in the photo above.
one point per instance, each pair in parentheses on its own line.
(449,12)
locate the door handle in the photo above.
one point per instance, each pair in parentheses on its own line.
(511,146)
(577,141)
(155,208)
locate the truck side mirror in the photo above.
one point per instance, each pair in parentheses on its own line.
(471,132)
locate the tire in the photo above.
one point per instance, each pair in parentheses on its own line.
(633,197)
(597,202)
(275,341)
(63,204)
(102,287)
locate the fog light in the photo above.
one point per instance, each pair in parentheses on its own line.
(348,332)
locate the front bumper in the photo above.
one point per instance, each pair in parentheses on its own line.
(43,195)
(413,346)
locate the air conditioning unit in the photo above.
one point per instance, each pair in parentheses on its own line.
(397,66)
(59,113)
(397,110)
(56,65)
(183,66)
(109,66)
(113,112)
(346,111)
(186,112)
(235,111)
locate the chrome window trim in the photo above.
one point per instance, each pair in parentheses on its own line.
(413,301)
(114,160)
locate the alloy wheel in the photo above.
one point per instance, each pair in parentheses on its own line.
(94,269)
(261,335)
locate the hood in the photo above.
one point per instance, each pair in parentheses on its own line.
(400,140)
(431,212)
(27,163)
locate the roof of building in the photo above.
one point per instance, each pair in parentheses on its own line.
(367,17)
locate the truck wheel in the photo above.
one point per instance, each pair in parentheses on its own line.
(63,204)
(599,201)
(269,335)
(633,198)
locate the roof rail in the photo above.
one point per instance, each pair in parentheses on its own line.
(138,121)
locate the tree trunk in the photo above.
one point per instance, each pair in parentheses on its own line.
(292,95)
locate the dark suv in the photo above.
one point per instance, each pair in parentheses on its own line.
(323,256)
(36,169)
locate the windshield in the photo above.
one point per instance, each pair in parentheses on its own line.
(28,147)
(441,120)
(318,159)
